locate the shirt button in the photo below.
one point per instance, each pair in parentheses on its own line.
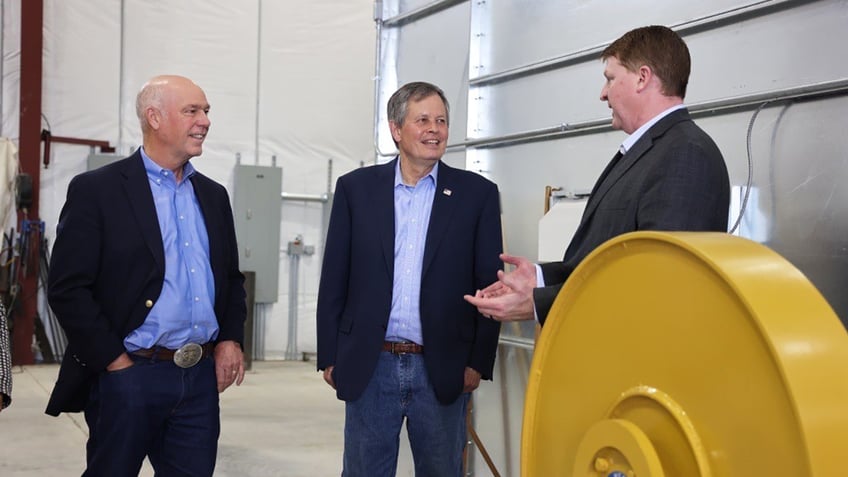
(182,217)
(192,270)
(197,298)
(186,244)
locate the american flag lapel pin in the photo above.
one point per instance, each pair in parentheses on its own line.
(447,192)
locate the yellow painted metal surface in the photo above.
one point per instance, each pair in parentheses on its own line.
(687,355)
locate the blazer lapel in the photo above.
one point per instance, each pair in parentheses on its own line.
(383,194)
(140,197)
(444,203)
(615,171)
(596,194)
(215,230)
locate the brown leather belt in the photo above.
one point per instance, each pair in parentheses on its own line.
(165,354)
(402,348)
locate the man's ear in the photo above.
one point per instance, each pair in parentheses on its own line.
(645,76)
(395,129)
(153,117)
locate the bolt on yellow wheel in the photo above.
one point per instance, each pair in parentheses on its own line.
(687,355)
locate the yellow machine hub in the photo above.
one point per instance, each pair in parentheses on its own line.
(691,355)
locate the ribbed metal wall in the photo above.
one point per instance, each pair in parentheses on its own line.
(524,80)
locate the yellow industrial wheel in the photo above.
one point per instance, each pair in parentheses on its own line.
(687,355)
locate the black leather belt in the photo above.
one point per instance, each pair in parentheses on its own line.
(402,348)
(186,356)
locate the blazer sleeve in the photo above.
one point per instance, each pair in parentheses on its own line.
(335,273)
(488,247)
(234,314)
(688,191)
(74,267)
(555,274)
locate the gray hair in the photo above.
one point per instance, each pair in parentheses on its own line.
(397,107)
(149,96)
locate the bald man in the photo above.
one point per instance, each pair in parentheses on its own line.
(144,279)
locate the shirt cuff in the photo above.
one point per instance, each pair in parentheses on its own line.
(540,282)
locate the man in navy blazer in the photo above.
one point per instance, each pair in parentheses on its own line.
(667,175)
(406,241)
(144,279)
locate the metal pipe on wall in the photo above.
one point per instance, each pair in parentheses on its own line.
(378,24)
(258,79)
(421,12)
(706,22)
(295,250)
(294,268)
(324,198)
(378,77)
(706,108)
(305,197)
(714,20)
(394,22)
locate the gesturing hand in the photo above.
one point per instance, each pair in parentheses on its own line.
(511,297)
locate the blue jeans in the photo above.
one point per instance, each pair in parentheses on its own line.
(400,389)
(156,409)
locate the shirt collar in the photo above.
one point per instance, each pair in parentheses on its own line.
(631,139)
(155,170)
(434,174)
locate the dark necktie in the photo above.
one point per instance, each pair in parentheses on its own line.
(618,155)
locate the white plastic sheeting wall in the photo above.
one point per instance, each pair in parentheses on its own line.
(286,78)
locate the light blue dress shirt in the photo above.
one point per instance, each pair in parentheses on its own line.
(184,312)
(413,205)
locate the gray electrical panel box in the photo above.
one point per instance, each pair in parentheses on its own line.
(256,207)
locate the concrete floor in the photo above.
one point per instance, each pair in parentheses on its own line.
(282,421)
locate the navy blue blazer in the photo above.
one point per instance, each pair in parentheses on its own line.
(673,178)
(108,266)
(355,294)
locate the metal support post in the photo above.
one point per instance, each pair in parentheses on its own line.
(296,248)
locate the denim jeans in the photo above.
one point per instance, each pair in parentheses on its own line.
(156,409)
(398,390)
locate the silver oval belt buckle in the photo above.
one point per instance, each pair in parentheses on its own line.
(188,355)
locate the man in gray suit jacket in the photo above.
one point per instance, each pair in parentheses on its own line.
(667,175)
